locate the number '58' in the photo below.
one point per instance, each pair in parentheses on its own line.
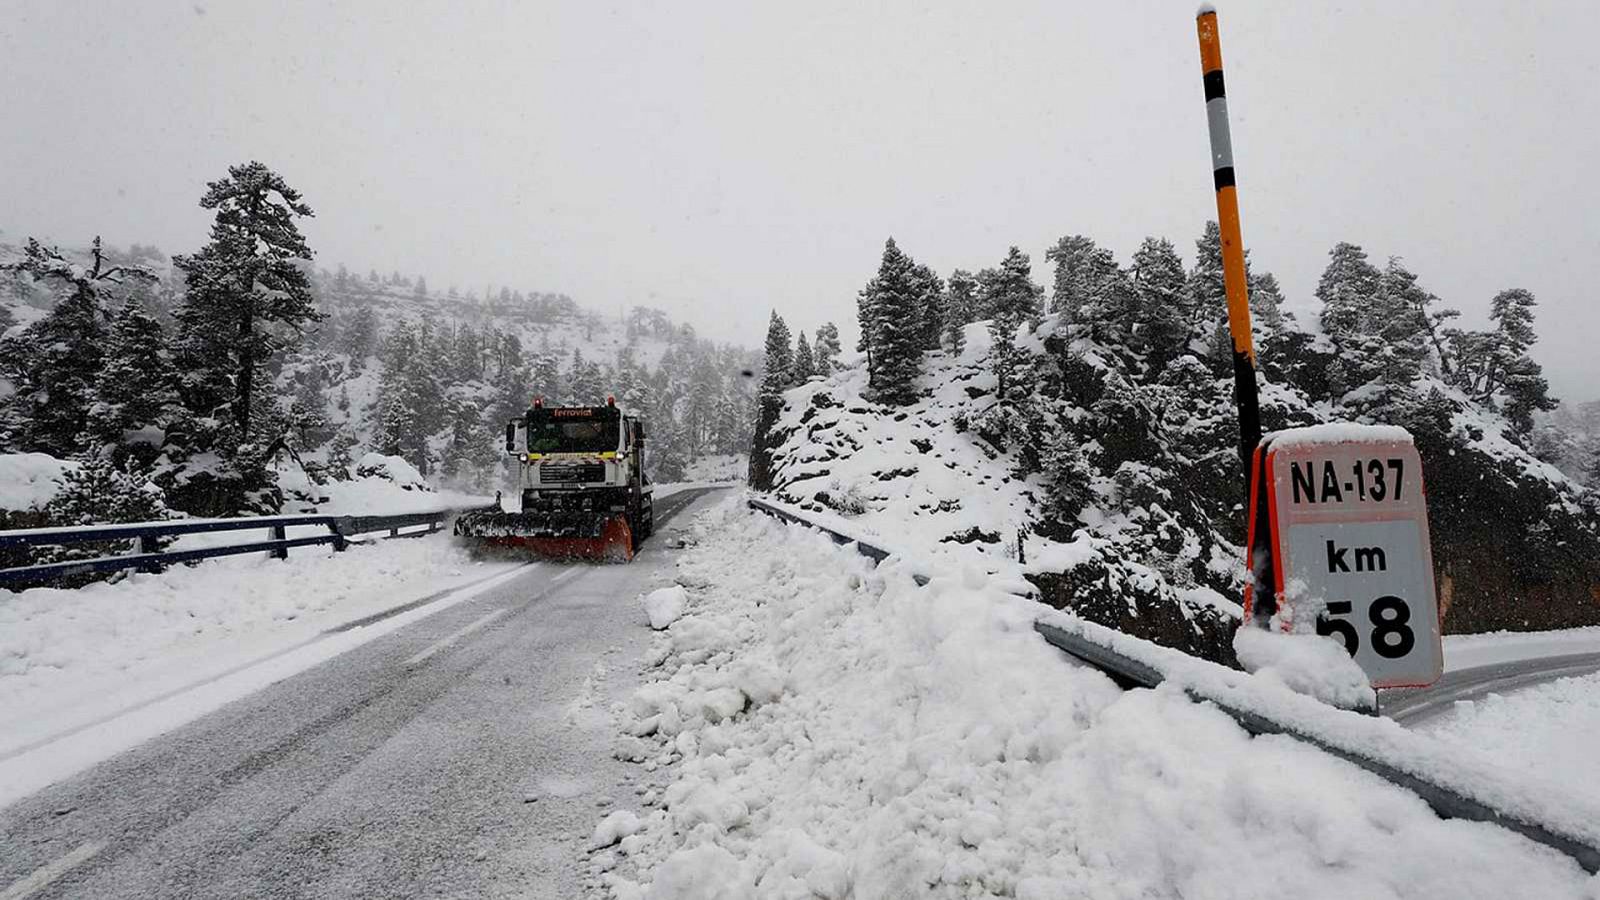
(1391,636)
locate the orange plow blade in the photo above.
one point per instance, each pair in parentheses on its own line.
(615,544)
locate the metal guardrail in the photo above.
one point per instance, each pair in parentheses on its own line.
(1127,671)
(148,556)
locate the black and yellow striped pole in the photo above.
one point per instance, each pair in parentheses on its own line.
(1233,275)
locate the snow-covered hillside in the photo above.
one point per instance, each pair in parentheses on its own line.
(1155,547)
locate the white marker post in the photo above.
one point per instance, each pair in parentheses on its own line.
(1347,533)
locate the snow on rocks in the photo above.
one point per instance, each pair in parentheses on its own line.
(923,741)
(665,605)
(391,468)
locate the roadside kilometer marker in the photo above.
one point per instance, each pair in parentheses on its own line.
(1339,535)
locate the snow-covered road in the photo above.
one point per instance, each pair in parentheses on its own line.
(466,754)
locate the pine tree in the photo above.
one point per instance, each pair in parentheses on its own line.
(470,454)
(780,358)
(769,401)
(960,308)
(1510,371)
(804,367)
(895,337)
(136,393)
(1159,279)
(308,412)
(545,378)
(825,352)
(100,492)
(585,382)
(247,297)
(54,363)
(928,290)
(1011,298)
(340,455)
(1082,271)
(1068,483)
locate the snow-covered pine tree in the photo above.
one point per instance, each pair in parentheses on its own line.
(248,296)
(308,411)
(928,289)
(466,353)
(1507,372)
(1081,269)
(1159,280)
(1068,480)
(780,358)
(1348,289)
(1011,298)
(769,400)
(1398,326)
(545,377)
(959,308)
(585,381)
(54,363)
(633,383)
(100,492)
(341,453)
(825,352)
(471,452)
(358,336)
(135,398)
(898,336)
(804,366)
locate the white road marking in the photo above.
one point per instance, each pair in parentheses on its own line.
(450,639)
(47,874)
(456,635)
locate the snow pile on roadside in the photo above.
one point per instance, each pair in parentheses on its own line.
(29,480)
(1464,651)
(829,730)
(64,653)
(665,606)
(1550,728)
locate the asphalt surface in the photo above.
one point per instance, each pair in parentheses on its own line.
(467,755)
(1412,706)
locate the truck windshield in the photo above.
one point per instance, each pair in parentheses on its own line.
(572,437)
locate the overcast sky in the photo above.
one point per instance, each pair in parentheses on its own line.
(721,160)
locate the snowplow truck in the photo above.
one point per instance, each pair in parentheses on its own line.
(582,483)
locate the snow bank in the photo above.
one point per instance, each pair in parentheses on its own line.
(665,606)
(1464,651)
(827,729)
(1552,727)
(28,480)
